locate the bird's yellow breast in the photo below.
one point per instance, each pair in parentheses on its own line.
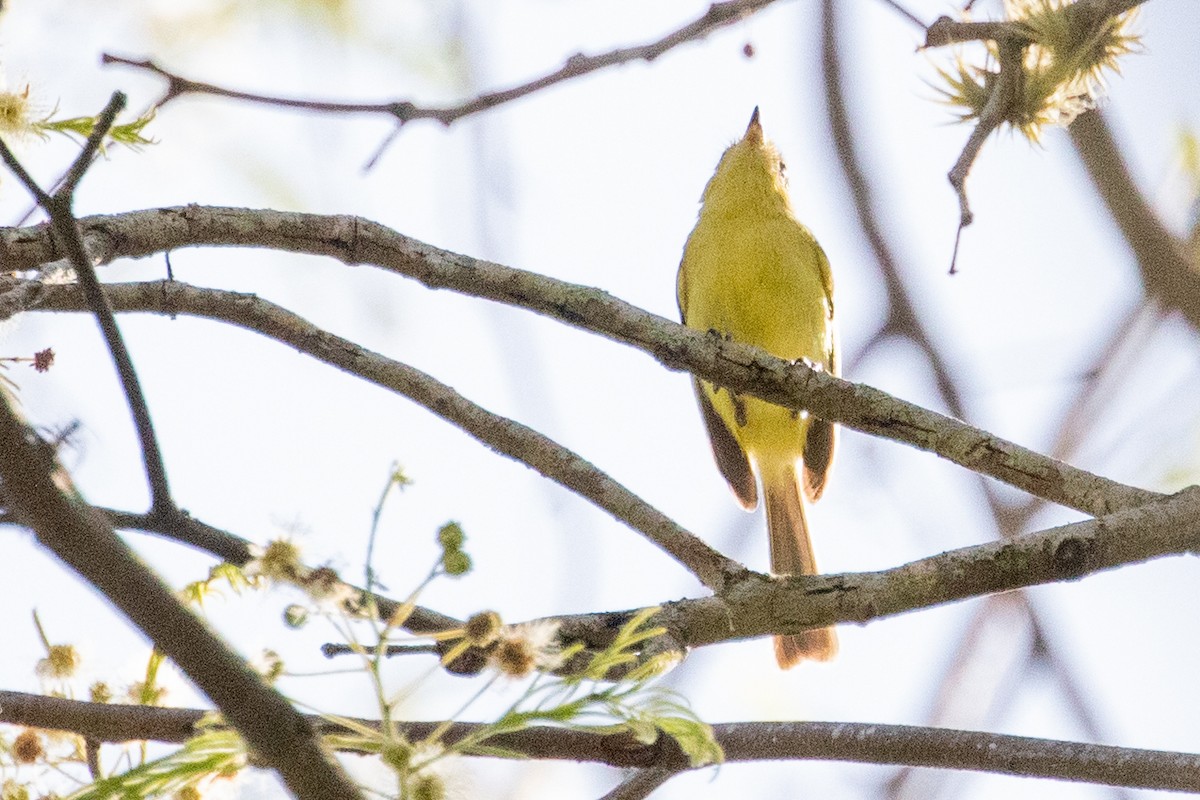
(759,279)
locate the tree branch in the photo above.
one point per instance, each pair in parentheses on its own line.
(739,367)
(504,435)
(902,317)
(718,15)
(742,742)
(754,605)
(640,784)
(1168,275)
(761,604)
(40,493)
(946,31)
(67,239)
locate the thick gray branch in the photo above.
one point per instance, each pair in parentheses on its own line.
(760,604)
(750,605)
(740,367)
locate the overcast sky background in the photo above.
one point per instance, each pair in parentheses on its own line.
(596,181)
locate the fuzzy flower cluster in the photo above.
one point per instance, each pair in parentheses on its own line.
(414,763)
(1070,46)
(61,663)
(519,650)
(17,113)
(280,562)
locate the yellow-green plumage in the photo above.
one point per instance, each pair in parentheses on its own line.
(753,273)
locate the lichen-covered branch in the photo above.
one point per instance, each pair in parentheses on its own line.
(760,604)
(739,367)
(747,604)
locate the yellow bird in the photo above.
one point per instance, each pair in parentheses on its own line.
(752,273)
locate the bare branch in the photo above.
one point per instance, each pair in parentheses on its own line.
(753,605)
(68,240)
(497,432)
(641,784)
(742,742)
(718,15)
(739,367)
(902,317)
(761,604)
(1168,275)
(904,12)
(998,109)
(946,31)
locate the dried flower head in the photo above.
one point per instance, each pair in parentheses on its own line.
(61,662)
(427,786)
(28,747)
(1069,47)
(11,790)
(523,648)
(483,628)
(100,692)
(280,561)
(43,360)
(16,113)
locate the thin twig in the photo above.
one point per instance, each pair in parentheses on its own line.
(90,149)
(946,31)
(904,12)
(902,317)
(497,432)
(640,784)
(718,15)
(995,112)
(857,742)
(69,241)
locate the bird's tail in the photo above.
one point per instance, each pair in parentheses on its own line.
(792,554)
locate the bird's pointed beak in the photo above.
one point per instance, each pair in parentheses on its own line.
(754,131)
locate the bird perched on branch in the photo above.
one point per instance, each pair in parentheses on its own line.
(754,274)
